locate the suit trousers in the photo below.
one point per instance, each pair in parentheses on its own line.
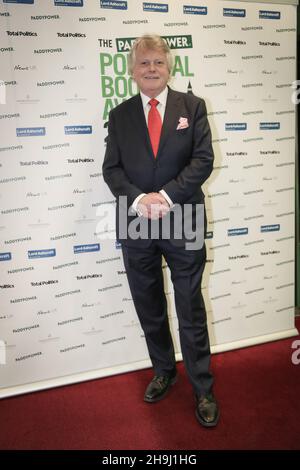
(145,277)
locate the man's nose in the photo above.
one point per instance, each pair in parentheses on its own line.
(152,65)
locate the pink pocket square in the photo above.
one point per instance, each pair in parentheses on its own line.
(182,124)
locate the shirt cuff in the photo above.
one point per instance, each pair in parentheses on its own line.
(164,194)
(134,205)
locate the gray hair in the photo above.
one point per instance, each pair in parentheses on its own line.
(150,42)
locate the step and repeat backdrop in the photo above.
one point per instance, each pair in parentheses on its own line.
(66,311)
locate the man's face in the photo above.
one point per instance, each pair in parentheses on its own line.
(151,71)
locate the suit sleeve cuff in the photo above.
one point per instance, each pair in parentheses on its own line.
(164,194)
(134,205)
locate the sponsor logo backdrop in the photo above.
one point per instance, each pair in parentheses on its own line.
(65,303)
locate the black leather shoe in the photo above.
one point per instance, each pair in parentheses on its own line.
(159,387)
(207,410)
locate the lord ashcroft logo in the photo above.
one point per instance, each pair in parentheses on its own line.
(158,7)
(269,15)
(194,10)
(78,130)
(86,248)
(28,2)
(5,256)
(270,228)
(235,126)
(269,126)
(68,3)
(32,254)
(235,12)
(30,131)
(237,231)
(113,4)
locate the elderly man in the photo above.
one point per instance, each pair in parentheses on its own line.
(158,155)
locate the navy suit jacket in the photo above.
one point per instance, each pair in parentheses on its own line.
(183,162)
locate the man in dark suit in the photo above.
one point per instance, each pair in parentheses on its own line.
(158,155)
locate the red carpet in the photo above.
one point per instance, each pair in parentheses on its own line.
(258,389)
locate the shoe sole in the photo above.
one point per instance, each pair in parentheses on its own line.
(205,423)
(154,400)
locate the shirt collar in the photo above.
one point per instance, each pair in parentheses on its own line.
(162,98)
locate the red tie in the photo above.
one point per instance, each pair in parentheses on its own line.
(154,125)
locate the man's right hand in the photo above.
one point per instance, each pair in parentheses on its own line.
(153,206)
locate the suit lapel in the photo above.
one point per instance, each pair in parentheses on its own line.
(170,118)
(140,128)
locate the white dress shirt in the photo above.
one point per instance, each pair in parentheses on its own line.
(161,107)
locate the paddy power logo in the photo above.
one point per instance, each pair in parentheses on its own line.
(116,83)
(174,42)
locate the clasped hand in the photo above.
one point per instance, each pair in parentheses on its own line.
(153,206)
